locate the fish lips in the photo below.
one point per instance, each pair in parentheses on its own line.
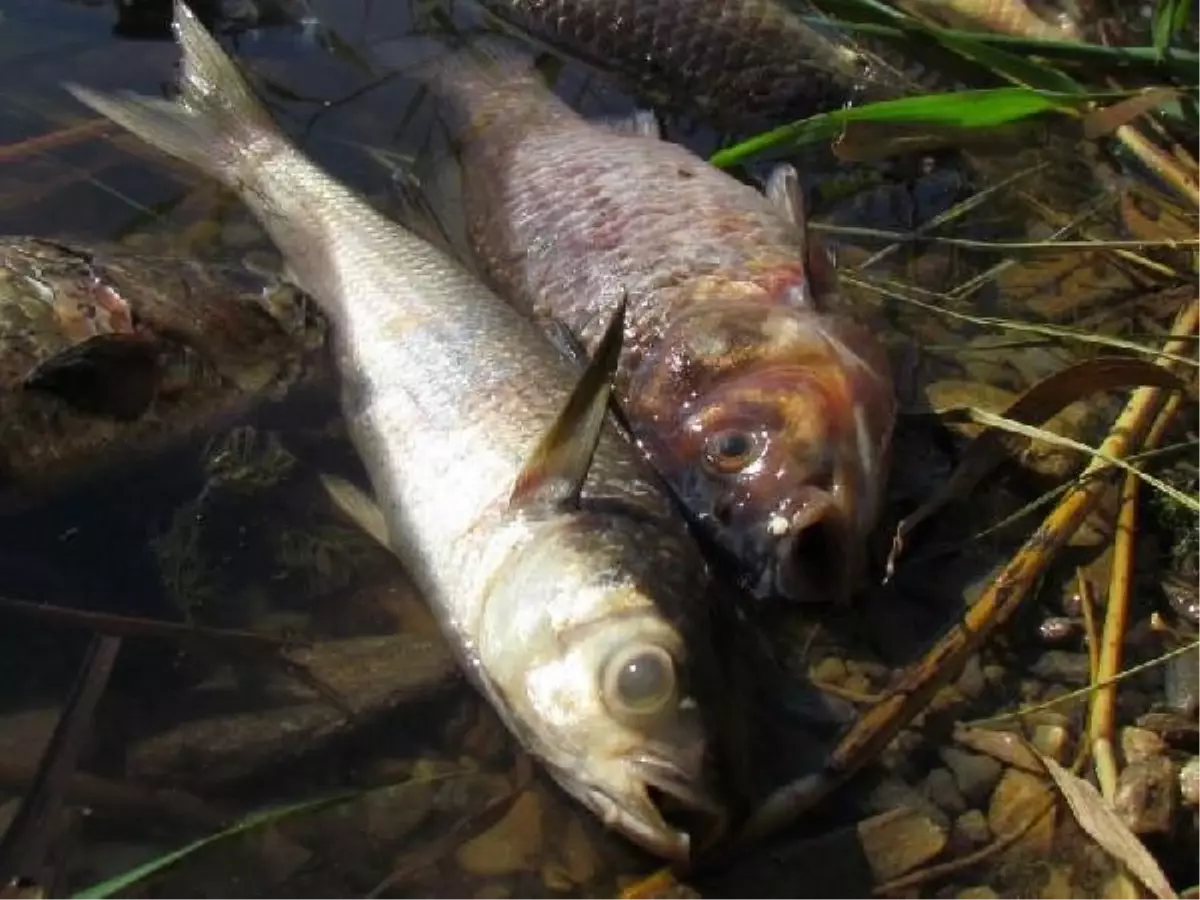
(662,808)
(810,554)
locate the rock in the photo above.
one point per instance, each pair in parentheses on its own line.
(1139,744)
(970,830)
(1062,666)
(899,841)
(555,878)
(579,857)
(994,674)
(1189,782)
(1059,885)
(1051,741)
(972,682)
(511,845)
(1182,682)
(1018,798)
(891,794)
(830,670)
(982,892)
(974,774)
(1005,746)
(493,892)
(1147,796)
(941,789)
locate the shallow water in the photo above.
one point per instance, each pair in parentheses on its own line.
(232,531)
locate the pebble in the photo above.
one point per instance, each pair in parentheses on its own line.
(1005,746)
(995,674)
(1051,741)
(1182,682)
(898,842)
(1139,744)
(1189,782)
(941,789)
(494,891)
(830,670)
(980,892)
(1018,797)
(1062,666)
(970,830)
(891,794)
(972,682)
(1147,796)
(974,774)
(579,857)
(511,845)
(1059,630)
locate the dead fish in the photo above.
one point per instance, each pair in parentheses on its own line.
(108,356)
(745,64)
(770,417)
(553,557)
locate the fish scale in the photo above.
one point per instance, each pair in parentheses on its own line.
(769,416)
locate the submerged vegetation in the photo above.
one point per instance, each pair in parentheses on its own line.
(1008,709)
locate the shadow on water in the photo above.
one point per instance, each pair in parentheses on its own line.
(227,527)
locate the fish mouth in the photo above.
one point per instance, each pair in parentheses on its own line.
(667,813)
(810,553)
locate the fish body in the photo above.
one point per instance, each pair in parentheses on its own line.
(108,356)
(581,617)
(745,64)
(770,417)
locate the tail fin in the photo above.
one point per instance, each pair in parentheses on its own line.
(217,120)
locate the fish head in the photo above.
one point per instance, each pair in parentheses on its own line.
(607,695)
(775,433)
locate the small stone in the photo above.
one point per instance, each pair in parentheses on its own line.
(579,855)
(890,794)
(1058,885)
(511,845)
(1189,782)
(973,681)
(898,841)
(1139,744)
(1051,741)
(858,684)
(970,830)
(1062,666)
(981,892)
(974,773)
(941,788)
(830,670)
(1018,798)
(994,674)
(494,891)
(555,878)
(1147,796)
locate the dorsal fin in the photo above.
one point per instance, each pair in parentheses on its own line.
(783,190)
(357,506)
(557,468)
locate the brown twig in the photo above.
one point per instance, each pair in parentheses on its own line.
(1087,602)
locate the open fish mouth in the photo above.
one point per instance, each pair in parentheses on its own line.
(808,555)
(669,814)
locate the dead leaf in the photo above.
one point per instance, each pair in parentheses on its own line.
(1105,121)
(1104,826)
(1038,404)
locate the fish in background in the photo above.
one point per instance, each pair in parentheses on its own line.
(743,64)
(108,356)
(768,414)
(553,557)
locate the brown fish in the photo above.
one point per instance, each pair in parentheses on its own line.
(745,64)
(770,417)
(108,355)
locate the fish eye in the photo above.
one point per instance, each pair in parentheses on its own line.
(731,450)
(639,680)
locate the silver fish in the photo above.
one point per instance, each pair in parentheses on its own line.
(553,557)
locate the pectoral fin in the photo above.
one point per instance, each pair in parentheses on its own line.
(557,468)
(114,375)
(357,507)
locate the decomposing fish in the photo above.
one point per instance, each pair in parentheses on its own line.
(108,355)
(745,64)
(554,558)
(769,416)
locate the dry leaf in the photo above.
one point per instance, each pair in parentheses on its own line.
(1039,403)
(1104,826)
(1105,121)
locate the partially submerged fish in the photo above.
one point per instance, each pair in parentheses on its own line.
(746,64)
(109,356)
(770,417)
(553,557)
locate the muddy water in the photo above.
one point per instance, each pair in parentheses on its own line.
(232,531)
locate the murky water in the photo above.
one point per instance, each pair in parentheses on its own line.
(232,531)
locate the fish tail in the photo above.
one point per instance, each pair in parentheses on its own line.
(217,124)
